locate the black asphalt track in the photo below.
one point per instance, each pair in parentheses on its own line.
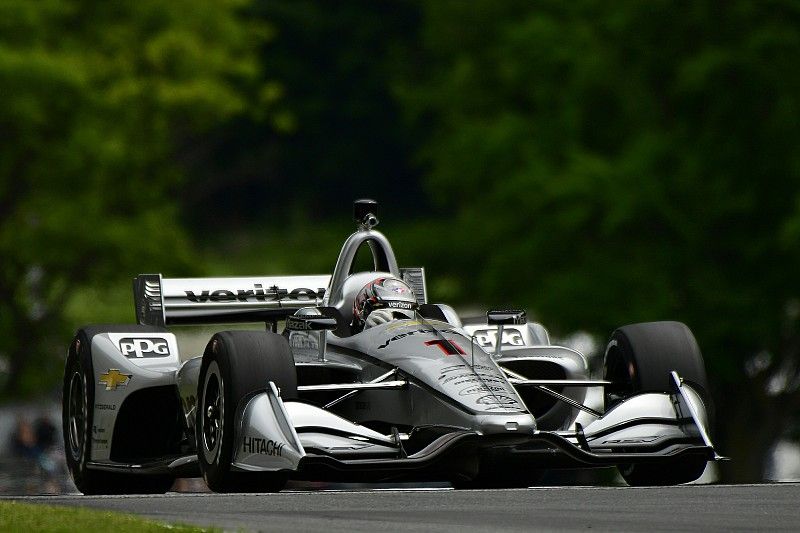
(769,507)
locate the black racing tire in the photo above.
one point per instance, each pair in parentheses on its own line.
(639,358)
(78,395)
(236,364)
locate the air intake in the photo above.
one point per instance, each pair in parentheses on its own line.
(415,277)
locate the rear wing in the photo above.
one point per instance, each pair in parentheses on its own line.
(163,301)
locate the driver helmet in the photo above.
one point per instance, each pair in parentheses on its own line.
(390,298)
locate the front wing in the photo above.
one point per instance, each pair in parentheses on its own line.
(311,443)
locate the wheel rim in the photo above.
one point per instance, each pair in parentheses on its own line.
(213,412)
(76,415)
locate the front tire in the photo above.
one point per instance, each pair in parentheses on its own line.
(639,358)
(235,365)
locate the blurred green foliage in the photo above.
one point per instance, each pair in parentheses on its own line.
(610,163)
(98,98)
(635,160)
(599,163)
(339,131)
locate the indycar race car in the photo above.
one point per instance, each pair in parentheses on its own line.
(368,382)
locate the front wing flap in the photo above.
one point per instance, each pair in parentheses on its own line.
(313,443)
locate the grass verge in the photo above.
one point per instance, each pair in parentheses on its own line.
(17,516)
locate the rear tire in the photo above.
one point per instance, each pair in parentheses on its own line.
(639,358)
(77,419)
(235,365)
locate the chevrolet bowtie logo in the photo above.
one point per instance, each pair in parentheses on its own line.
(114,378)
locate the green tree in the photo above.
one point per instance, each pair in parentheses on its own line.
(98,98)
(608,163)
(333,136)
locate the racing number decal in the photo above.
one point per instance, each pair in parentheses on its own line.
(448,346)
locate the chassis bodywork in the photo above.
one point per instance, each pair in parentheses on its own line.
(423,399)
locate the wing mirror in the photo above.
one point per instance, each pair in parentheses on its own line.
(506,317)
(326,321)
(502,318)
(310,323)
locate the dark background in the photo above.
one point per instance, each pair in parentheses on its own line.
(599,163)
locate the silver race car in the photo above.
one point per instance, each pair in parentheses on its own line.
(367,381)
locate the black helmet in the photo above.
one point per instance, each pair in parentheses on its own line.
(388,293)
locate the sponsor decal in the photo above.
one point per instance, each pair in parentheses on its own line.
(413,332)
(635,440)
(448,346)
(491,387)
(507,408)
(399,305)
(496,399)
(297,324)
(262,446)
(303,341)
(144,347)
(105,407)
(488,337)
(403,335)
(100,443)
(404,324)
(258,293)
(481,389)
(309,323)
(461,375)
(114,378)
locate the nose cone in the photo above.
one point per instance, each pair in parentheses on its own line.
(505,424)
(445,358)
